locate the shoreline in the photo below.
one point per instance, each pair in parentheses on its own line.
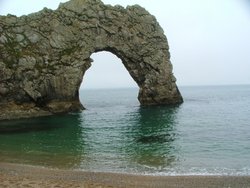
(17,175)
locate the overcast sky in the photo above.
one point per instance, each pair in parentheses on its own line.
(209,40)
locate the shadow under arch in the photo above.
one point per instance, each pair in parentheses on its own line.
(153,140)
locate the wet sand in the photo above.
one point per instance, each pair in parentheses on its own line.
(15,175)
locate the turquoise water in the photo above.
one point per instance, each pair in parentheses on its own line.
(209,134)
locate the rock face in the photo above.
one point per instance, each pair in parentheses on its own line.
(43,56)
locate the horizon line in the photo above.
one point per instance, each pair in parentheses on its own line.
(133,87)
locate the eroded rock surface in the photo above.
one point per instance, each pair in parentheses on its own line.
(44,55)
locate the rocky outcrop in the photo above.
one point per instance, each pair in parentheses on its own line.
(44,55)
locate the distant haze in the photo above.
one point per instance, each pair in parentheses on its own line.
(209,40)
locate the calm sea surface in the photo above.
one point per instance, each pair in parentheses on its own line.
(209,134)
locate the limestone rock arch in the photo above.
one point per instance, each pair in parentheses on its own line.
(44,56)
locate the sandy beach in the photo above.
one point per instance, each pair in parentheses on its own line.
(15,175)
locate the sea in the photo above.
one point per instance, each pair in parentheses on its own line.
(209,134)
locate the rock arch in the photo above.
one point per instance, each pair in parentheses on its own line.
(44,56)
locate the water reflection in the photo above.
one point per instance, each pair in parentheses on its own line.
(54,141)
(27,125)
(127,138)
(153,137)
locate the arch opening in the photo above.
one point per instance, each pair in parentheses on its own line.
(106,73)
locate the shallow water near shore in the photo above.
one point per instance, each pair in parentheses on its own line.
(209,134)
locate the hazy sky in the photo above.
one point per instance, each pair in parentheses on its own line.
(209,40)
